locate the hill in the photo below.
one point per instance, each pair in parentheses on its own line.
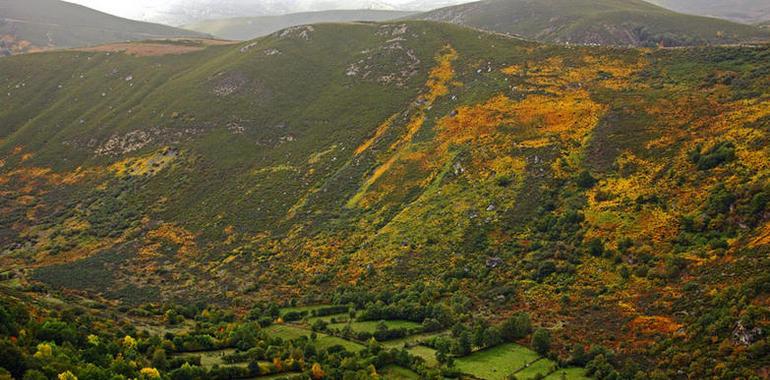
(184,12)
(30,25)
(245,28)
(601,22)
(745,11)
(418,171)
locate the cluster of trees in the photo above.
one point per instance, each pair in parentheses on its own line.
(74,344)
(381,333)
(320,312)
(418,303)
(464,339)
(406,310)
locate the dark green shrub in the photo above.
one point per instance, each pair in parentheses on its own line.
(717,155)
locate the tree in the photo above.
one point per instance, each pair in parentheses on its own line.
(273,310)
(149,373)
(11,358)
(90,372)
(601,368)
(254,368)
(541,341)
(187,372)
(56,331)
(578,356)
(319,325)
(67,376)
(596,247)
(245,336)
(479,330)
(34,374)
(129,342)
(516,327)
(7,324)
(759,203)
(492,337)
(159,358)
(545,269)
(317,372)
(441,357)
(463,346)
(586,180)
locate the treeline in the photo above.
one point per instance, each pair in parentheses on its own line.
(320,312)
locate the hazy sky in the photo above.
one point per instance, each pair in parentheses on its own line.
(139,8)
(125,8)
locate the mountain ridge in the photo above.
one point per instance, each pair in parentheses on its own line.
(245,28)
(747,11)
(188,12)
(31,25)
(602,22)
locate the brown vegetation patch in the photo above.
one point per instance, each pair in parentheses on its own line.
(169,233)
(653,325)
(156,48)
(763,238)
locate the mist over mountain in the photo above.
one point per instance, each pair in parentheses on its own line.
(181,12)
(246,28)
(33,25)
(746,11)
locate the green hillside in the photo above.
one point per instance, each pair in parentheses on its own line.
(413,171)
(30,25)
(596,22)
(247,28)
(745,11)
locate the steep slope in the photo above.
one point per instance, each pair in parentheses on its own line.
(29,25)
(245,28)
(745,11)
(619,196)
(602,22)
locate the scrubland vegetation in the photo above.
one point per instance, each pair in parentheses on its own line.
(415,199)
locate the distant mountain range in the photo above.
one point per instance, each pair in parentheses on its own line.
(746,11)
(30,25)
(591,22)
(245,28)
(599,22)
(183,12)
